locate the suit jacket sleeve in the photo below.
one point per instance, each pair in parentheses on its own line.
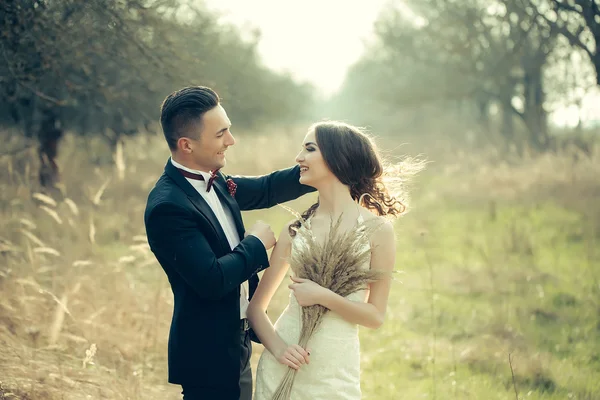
(256,192)
(174,237)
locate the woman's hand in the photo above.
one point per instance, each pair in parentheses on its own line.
(294,356)
(307,292)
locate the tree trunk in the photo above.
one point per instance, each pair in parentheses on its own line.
(507,129)
(49,137)
(596,61)
(534,113)
(483,112)
(592,19)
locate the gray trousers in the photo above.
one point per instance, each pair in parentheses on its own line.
(245,368)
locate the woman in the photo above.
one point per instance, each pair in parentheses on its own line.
(342,163)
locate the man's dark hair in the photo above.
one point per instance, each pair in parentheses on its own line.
(183,110)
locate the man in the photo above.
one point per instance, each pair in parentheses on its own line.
(195,230)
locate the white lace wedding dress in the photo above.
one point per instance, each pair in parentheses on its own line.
(334,369)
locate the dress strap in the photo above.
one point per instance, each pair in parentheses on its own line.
(360,218)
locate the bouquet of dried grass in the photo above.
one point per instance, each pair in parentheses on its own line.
(336,264)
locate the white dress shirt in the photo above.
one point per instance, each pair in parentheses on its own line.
(225,219)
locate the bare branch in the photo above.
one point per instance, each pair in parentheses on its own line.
(16,151)
(565,6)
(33,90)
(573,39)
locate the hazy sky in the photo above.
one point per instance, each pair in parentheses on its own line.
(315,40)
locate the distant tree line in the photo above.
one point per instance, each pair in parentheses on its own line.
(511,56)
(102,67)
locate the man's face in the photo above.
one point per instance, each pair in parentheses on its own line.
(214,137)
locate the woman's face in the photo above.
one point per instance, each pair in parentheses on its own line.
(313,170)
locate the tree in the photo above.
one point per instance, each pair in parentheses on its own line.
(103,68)
(579,22)
(480,51)
(82,66)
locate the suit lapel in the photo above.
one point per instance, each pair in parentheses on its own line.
(202,206)
(220,186)
(225,197)
(197,200)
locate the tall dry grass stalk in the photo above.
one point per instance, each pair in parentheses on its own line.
(337,264)
(512,373)
(125,308)
(119,158)
(434,327)
(64,289)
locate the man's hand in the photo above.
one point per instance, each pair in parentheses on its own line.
(263,231)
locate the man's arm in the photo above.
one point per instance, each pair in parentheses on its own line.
(256,192)
(175,239)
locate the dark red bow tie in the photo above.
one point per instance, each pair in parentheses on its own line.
(191,175)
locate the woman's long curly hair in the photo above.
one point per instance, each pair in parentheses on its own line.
(352,157)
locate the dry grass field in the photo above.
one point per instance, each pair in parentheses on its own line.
(497,257)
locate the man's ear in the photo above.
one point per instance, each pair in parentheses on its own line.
(184,145)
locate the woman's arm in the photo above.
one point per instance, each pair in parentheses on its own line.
(370,314)
(290,355)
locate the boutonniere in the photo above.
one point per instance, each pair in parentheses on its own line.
(231,187)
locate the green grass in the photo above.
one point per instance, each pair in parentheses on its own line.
(476,285)
(477,288)
(482,280)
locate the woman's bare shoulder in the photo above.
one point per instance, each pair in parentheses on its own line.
(369,215)
(385,226)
